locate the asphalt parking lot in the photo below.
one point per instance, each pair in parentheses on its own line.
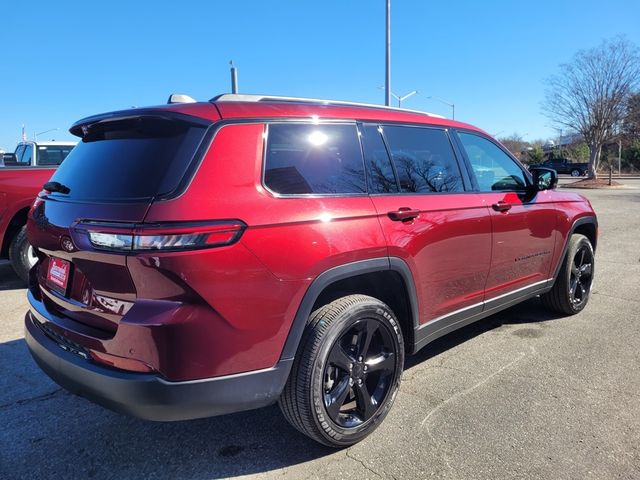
(522,394)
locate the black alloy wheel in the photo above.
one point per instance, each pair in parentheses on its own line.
(581,276)
(572,286)
(359,372)
(346,372)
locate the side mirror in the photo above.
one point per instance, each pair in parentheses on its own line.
(544,178)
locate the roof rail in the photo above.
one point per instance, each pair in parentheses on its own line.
(237,97)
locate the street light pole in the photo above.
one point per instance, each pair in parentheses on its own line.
(404,97)
(35,135)
(453,107)
(387,81)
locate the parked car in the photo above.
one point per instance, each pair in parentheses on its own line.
(199,259)
(38,154)
(21,178)
(564,165)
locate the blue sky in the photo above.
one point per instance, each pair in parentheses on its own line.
(65,60)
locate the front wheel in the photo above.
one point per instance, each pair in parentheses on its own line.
(571,290)
(347,371)
(575,172)
(21,254)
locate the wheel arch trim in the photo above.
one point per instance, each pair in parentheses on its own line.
(342,272)
(586,220)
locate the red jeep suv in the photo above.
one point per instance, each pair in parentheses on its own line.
(196,259)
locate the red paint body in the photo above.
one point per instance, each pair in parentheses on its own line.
(206,313)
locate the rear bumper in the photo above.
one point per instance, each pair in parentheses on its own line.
(149,396)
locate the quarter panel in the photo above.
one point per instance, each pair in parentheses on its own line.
(253,288)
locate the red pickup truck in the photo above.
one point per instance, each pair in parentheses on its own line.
(22,175)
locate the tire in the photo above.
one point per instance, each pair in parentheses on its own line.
(572,288)
(21,254)
(351,347)
(576,173)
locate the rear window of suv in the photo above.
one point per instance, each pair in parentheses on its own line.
(53,154)
(129,160)
(314,159)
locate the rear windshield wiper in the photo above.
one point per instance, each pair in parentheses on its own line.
(56,187)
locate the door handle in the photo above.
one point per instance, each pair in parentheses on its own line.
(501,206)
(403,214)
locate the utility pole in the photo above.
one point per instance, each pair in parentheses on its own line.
(234,78)
(560,143)
(387,78)
(619,155)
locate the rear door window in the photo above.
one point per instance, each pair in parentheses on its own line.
(424,159)
(130,160)
(314,159)
(382,178)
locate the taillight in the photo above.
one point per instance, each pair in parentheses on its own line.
(160,237)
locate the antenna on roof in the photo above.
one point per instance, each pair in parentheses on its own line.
(180,98)
(234,78)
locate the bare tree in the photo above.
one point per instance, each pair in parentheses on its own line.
(589,95)
(515,144)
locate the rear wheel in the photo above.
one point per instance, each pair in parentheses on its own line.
(575,172)
(571,290)
(347,372)
(21,254)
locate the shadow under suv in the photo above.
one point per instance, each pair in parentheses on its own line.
(197,259)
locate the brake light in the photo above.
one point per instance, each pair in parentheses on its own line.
(161,237)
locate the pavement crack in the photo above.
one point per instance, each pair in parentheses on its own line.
(415,371)
(427,420)
(469,390)
(38,398)
(616,297)
(366,467)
